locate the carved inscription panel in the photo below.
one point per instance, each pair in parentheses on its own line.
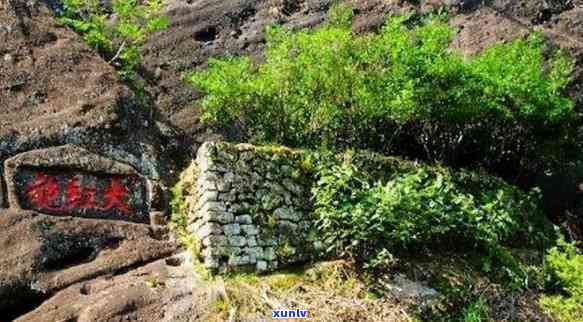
(68,192)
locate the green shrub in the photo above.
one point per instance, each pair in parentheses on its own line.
(423,207)
(565,263)
(400,91)
(116,32)
(478,311)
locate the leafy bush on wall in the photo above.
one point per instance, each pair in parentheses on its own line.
(400,91)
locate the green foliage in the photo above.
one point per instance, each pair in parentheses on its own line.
(118,39)
(524,82)
(178,207)
(423,207)
(153,282)
(180,204)
(565,263)
(340,16)
(477,311)
(401,90)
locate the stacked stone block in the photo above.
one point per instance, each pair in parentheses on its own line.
(252,208)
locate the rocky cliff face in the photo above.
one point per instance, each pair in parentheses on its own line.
(55,90)
(202,29)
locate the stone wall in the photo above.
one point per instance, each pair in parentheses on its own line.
(249,207)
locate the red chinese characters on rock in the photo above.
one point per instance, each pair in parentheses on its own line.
(45,193)
(114,196)
(79,197)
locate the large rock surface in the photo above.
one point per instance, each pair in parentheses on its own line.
(52,84)
(205,28)
(43,254)
(160,291)
(55,90)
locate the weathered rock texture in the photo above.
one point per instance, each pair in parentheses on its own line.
(44,254)
(160,291)
(55,90)
(63,109)
(250,207)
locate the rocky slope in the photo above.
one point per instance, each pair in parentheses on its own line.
(158,291)
(45,254)
(201,29)
(55,90)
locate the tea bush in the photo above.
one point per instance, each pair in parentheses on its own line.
(117,39)
(477,311)
(565,264)
(399,91)
(423,207)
